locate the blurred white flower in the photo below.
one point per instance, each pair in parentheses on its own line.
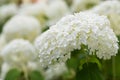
(80,5)
(55,71)
(37,10)
(115,23)
(7,11)
(56,9)
(107,7)
(72,31)
(22,26)
(112,10)
(18,52)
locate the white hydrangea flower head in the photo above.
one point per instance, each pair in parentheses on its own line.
(37,10)
(80,5)
(19,52)
(2,42)
(55,71)
(22,26)
(107,7)
(56,10)
(72,31)
(112,10)
(6,11)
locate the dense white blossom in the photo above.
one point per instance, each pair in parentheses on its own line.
(55,71)
(19,52)
(79,5)
(112,10)
(22,26)
(71,32)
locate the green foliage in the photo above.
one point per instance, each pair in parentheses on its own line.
(90,71)
(13,74)
(82,66)
(35,75)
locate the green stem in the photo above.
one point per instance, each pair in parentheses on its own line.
(113,68)
(25,72)
(87,51)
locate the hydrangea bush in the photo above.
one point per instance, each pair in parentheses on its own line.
(48,40)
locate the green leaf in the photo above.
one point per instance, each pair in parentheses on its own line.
(76,57)
(90,71)
(35,75)
(13,74)
(91,59)
(73,63)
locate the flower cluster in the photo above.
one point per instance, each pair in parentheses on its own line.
(47,12)
(19,51)
(56,10)
(37,10)
(22,26)
(72,31)
(7,11)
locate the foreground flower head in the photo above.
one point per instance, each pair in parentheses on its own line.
(21,26)
(112,10)
(18,52)
(72,31)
